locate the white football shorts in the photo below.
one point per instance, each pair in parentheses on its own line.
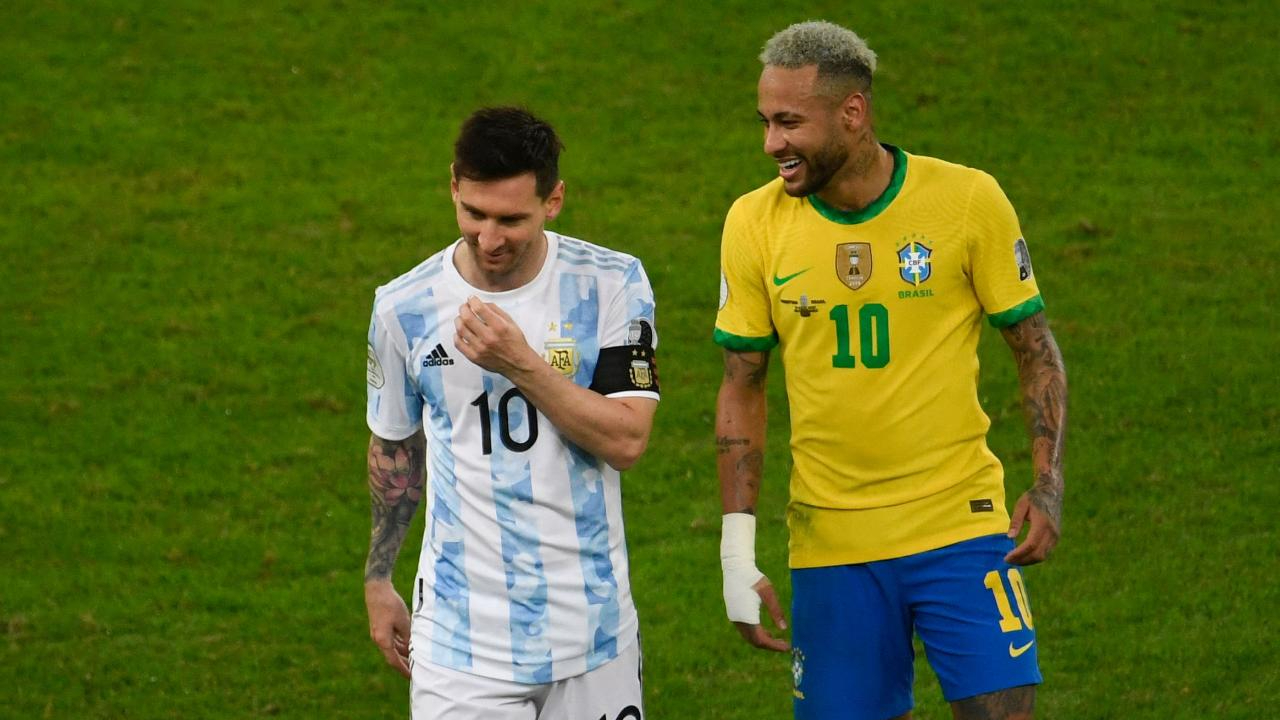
(612,691)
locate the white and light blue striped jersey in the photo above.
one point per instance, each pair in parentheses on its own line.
(523,572)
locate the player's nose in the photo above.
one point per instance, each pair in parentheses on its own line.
(489,237)
(774,143)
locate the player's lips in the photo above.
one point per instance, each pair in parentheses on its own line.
(788,168)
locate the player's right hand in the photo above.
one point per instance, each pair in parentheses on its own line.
(388,623)
(755,633)
(745,587)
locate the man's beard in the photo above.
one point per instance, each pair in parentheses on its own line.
(820,168)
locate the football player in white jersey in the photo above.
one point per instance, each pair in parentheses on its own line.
(515,369)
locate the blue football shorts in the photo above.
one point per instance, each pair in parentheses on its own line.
(852,656)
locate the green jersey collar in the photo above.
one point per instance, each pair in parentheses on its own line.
(853,217)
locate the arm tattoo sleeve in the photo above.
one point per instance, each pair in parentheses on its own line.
(396,482)
(1043,378)
(740,429)
(751,368)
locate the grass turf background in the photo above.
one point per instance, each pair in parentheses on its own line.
(199,199)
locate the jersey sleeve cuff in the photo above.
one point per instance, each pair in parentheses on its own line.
(739,343)
(635,393)
(1017,313)
(391,434)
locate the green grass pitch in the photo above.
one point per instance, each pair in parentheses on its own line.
(197,200)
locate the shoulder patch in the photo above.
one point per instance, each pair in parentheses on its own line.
(1023,257)
(640,332)
(373,371)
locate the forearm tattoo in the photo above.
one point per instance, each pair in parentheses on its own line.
(727,444)
(396,482)
(753,368)
(740,476)
(740,451)
(1044,401)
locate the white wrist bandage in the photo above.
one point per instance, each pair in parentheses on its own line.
(738,560)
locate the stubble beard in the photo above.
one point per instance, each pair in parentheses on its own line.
(834,157)
(822,166)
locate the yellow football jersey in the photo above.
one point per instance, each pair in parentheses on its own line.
(877,314)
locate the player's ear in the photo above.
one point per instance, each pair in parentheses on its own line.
(555,201)
(453,183)
(854,110)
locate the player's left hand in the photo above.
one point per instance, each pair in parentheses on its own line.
(1042,535)
(490,338)
(389,623)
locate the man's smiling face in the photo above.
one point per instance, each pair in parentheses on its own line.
(802,130)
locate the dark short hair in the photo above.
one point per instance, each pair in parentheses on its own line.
(496,143)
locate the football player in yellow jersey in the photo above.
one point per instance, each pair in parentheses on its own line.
(872,270)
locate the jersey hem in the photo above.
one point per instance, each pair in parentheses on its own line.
(1017,313)
(489,669)
(800,561)
(741,343)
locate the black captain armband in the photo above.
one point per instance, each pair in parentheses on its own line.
(628,368)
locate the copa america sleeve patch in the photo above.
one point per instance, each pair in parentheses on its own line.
(628,368)
(373,371)
(1023,258)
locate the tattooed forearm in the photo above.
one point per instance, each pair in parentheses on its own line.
(1044,400)
(740,486)
(749,467)
(751,368)
(396,482)
(740,429)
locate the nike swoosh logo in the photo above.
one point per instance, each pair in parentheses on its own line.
(780,281)
(1015,652)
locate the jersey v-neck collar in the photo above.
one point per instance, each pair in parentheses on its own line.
(455,277)
(877,206)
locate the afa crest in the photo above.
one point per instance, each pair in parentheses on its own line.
(915,263)
(641,373)
(562,354)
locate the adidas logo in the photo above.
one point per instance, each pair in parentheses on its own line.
(437,357)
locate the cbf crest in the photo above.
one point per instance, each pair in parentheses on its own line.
(915,262)
(853,264)
(562,354)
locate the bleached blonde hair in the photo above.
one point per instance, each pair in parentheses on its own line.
(845,63)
